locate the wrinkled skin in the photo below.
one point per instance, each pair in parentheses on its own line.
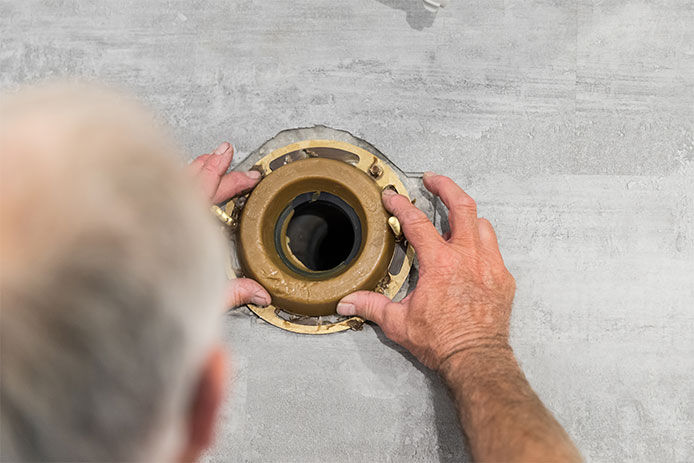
(219,186)
(456,321)
(464,293)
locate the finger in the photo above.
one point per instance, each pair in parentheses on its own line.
(196,164)
(416,226)
(223,148)
(366,304)
(462,210)
(243,291)
(235,183)
(406,300)
(488,236)
(214,167)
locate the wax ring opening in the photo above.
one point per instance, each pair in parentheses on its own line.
(318,234)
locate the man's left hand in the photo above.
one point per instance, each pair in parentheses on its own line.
(219,186)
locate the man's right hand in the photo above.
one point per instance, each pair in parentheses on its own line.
(456,321)
(463,297)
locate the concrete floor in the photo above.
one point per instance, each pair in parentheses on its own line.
(570,122)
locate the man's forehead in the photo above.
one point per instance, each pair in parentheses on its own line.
(33,174)
(45,142)
(31,133)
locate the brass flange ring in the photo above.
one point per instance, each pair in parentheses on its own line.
(319,188)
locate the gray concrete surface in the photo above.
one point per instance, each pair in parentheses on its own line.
(571,123)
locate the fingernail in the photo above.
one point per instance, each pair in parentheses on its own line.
(253,174)
(428,174)
(388,192)
(345,308)
(221,149)
(260,299)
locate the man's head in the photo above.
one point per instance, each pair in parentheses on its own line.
(111,284)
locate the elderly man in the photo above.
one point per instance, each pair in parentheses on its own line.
(112,287)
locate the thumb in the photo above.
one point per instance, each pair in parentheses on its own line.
(243,291)
(366,304)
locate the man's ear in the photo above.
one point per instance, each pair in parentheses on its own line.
(205,404)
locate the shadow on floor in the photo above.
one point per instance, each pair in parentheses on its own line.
(452,443)
(416,15)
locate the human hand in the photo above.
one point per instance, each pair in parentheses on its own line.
(211,171)
(219,186)
(464,293)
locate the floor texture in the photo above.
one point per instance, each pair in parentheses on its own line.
(570,122)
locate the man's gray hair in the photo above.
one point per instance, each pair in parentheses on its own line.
(111,281)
